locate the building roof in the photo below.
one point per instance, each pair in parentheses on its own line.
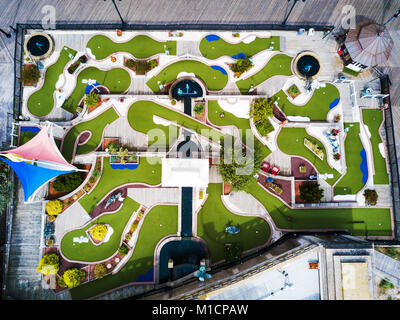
(369,44)
(177,172)
(355,281)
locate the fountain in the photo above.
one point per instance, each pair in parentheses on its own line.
(202,274)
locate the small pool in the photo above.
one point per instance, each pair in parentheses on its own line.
(308,65)
(222,70)
(212,37)
(334,103)
(364,166)
(130,166)
(147,277)
(240,55)
(29,129)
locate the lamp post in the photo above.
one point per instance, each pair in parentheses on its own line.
(294,3)
(393,17)
(116,8)
(7,34)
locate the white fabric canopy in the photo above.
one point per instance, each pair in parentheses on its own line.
(178,172)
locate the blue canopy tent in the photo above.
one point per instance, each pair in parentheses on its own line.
(31,176)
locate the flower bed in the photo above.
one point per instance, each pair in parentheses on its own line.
(314,148)
(96,174)
(137,220)
(141,67)
(293,91)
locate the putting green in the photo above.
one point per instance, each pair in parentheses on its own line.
(373,118)
(214,217)
(146,172)
(352,181)
(116,80)
(291,141)
(41,102)
(219,48)
(95,126)
(90,252)
(316,108)
(279,64)
(357,221)
(140,46)
(214,79)
(159,222)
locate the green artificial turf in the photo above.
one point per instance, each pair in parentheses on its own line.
(373,118)
(41,102)
(149,173)
(140,46)
(213,79)
(316,108)
(214,217)
(350,72)
(140,117)
(219,48)
(117,80)
(90,252)
(214,111)
(95,126)
(351,182)
(279,64)
(291,141)
(161,221)
(357,221)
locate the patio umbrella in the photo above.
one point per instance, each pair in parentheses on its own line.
(369,44)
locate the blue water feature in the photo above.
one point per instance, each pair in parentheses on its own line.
(187,205)
(89,87)
(364,166)
(212,37)
(222,70)
(130,166)
(240,55)
(147,277)
(334,103)
(30,129)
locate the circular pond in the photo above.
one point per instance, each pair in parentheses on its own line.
(307,65)
(39,45)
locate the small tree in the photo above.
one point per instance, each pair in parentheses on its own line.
(371,196)
(49,264)
(123,250)
(100,270)
(261,109)
(73,277)
(30,74)
(113,147)
(68,182)
(92,99)
(310,192)
(130,63)
(54,207)
(241,65)
(198,108)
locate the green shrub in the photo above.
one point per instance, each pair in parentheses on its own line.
(128,236)
(96,174)
(113,147)
(241,65)
(123,250)
(100,270)
(68,182)
(371,196)
(385,284)
(73,277)
(310,192)
(130,63)
(54,207)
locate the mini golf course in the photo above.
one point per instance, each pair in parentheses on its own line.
(213,49)
(90,252)
(41,102)
(279,64)
(159,222)
(140,46)
(316,108)
(116,80)
(254,231)
(95,126)
(215,78)
(291,142)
